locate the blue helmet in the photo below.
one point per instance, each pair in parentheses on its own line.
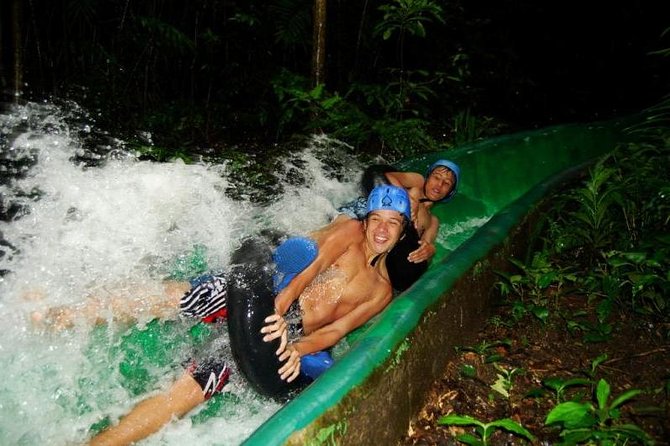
(389,197)
(457,175)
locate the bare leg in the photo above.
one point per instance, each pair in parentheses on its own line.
(128,304)
(150,415)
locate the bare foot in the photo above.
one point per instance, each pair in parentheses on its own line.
(37,318)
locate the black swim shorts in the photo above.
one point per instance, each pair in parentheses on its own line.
(293,318)
(211,375)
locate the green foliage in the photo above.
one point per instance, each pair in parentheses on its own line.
(625,197)
(608,240)
(484,430)
(643,275)
(584,422)
(560,385)
(407,16)
(504,380)
(319,110)
(165,35)
(405,95)
(498,321)
(80,11)
(175,129)
(329,435)
(468,127)
(633,271)
(379,99)
(645,189)
(487,350)
(593,221)
(161,154)
(468,371)
(404,138)
(292,19)
(655,124)
(537,282)
(299,102)
(588,222)
(665,52)
(312,109)
(591,371)
(411,90)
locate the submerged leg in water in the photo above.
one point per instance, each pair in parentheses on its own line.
(125,304)
(193,388)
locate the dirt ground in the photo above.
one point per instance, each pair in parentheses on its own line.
(638,357)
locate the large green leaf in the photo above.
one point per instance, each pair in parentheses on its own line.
(571,414)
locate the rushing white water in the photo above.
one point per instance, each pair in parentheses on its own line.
(79,218)
(122,221)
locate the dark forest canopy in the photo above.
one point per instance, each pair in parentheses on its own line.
(225,71)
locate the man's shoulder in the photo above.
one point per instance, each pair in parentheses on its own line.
(346,224)
(342,230)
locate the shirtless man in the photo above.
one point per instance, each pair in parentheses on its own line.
(344,286)
(353,250)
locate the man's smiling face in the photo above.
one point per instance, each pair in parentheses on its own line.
(383,229)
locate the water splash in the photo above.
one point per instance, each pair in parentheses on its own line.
(78,209)
(70,224)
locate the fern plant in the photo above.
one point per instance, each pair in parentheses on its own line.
(594,219)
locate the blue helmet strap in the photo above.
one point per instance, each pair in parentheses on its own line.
(376,258)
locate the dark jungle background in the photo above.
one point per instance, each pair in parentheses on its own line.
(248,81)
(394,76)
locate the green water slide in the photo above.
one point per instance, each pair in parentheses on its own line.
(372,391)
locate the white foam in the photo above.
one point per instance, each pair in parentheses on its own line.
(127,220)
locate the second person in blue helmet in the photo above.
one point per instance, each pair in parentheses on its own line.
(409,258)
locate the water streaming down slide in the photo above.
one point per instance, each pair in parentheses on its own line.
(80,215)
(75,218)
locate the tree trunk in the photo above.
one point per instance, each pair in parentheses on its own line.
(319,43)
(17,56)
(357,53)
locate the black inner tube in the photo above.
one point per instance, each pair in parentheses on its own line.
(250,301)
(402,272)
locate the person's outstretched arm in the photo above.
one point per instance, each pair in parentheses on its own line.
(150,415)
(408,180)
